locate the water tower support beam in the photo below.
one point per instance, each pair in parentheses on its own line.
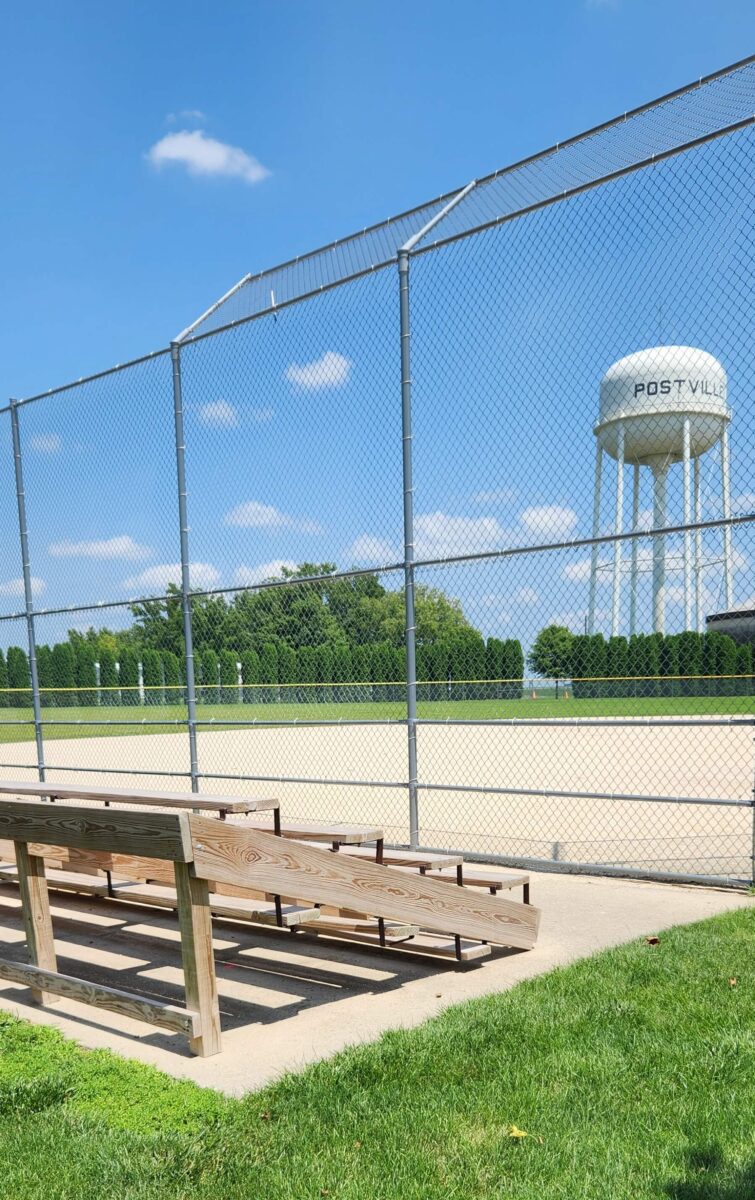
(659,549)
(635,548)
(687,521)
(595,534)
(618,529)
(726,488)
(699,615)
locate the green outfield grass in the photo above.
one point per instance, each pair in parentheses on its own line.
(629,1076)
(357,711)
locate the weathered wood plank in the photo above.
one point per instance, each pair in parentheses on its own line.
(181,800)
(159,835)
(35,907)
(239,854)
(305,831)
(408,858)
(168,1016)
(195,922)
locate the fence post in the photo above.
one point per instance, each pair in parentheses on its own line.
(406,460)
(191,699)
(28,602)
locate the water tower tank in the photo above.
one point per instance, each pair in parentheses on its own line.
(651,392)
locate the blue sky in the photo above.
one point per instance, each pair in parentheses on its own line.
(156,153)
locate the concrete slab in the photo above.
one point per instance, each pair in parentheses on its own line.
(290,999)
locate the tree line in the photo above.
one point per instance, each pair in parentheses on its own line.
(652,664)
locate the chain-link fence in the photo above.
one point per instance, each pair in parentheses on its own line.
(447,527)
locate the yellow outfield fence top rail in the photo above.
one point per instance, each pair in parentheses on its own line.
(534,681)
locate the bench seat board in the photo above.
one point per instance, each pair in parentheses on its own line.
(182,800)
(240,854)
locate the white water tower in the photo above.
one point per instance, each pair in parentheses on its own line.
(659,407)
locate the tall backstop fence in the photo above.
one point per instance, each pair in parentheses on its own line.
(447,526)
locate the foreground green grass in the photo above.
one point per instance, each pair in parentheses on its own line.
(455,709)
(631,1074)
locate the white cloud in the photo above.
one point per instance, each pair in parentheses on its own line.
(550,519)
(250,576)
(744,503)
(254,515)
(157,578)
(122,547)
(527,595)
(46,443)
(372,551)
(203,155)
(15,587)
(186,114)
(219,412)
(498,496)
(331,370)
(438,534)
(262,415)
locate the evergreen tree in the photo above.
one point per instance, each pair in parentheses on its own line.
(172,677)
(343,668)
(670,665)
(129,676)
(269,670)
(512,662)
(86,674)
(286,672)
(744,670)
(440,659)
(691,663)
(362,665)
(18,677)
(726,662)
(617,666)
(108,677)
(4,698)
(152,677)
(324,668)
(44,677)
(210,688)
(64,674)
(250,673)
(653,662)
(306,670)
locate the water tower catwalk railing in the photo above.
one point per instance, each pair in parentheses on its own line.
(659,407)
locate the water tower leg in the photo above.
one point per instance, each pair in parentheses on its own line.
(618,529)
(659,549)
(635,549)
(595,534)
(687,521)
(726,484)
(699,614)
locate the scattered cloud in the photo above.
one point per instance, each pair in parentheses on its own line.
(186,114)
(122,547)
(744,503)
(15,587)
(498,496)
(157,578)
(46,443)
(254,515)
(372,551)
(438,534)
(549,519)
(527,595)
(331,370)
(219,412)
(203,155)
(250,576)
(262,415)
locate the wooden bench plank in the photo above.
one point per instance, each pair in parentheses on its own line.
(180,800)
(241,854)
(416,859)
(306,831)
(168,1016)
(159,835)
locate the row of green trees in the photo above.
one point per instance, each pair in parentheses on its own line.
(462,667)
(681,664)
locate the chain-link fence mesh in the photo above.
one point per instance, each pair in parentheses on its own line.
(204,555)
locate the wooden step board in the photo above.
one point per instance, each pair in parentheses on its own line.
(306,831)
(240,854)
(417,859)
(354,930)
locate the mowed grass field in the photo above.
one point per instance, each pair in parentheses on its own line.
(627,1076)
(107,718)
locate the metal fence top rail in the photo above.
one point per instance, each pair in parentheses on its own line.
(690,114)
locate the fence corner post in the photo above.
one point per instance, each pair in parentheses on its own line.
(410,620)
(28,597)
(191,699)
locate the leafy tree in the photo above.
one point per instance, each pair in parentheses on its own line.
(551,653)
